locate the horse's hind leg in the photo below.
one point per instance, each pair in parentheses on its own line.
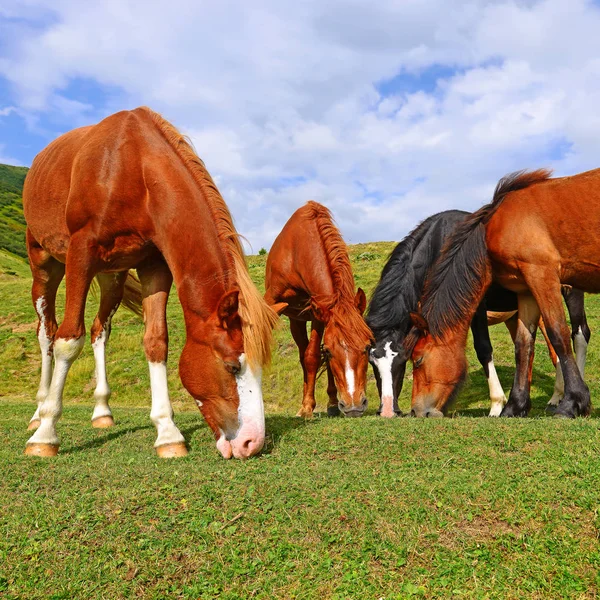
(68,342)
(156,280)
(545,286)
(559,382)
(580,331)
(519,401)
(47,274)
(111,294)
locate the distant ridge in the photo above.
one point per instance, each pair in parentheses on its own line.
(12,222)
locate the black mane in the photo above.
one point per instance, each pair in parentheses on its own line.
(462,274)
(399,289)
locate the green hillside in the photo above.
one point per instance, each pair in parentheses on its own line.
(12,222)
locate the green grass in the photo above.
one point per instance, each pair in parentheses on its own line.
(333,508)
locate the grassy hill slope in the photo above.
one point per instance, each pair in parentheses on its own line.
(12,222)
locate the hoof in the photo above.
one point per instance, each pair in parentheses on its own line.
(33,424)
(175,450)
(560,415)
(41,450)
(305,413)
(103,422)
(333,411)
(550,408)
(510,410)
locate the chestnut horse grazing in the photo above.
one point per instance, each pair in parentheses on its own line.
(309,278)
(398,293)
(126,193)
(537,235)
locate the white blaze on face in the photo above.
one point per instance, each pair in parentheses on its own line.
(384,367)
(496,392)
(349,377)
(250,436)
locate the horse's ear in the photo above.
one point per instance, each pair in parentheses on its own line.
(279,307)
(319,312)
(360,301)
(419,322)
(228,309)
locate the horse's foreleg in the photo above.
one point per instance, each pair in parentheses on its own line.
(68,342)
(333,410)
(483,349)
(111,290)
(519,401)
(156,280)
(47,274)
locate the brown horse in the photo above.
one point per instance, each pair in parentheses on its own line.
(536,235)
(130,192)
(309,275)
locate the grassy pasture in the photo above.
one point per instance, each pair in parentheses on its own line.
(363,508)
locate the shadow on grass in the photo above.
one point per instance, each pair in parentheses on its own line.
(477,390)
(278,426)
(113,434)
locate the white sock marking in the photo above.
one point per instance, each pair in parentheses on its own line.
(46,353)
(162,411)
(102,391)
(580,350)
(384,367)
(559,386)
(496,392)
(65,353)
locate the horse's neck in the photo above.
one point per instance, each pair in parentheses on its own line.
(201,270)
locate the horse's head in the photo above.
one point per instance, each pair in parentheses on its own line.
(438,369)
(215,370)
(346,342)
(388,358)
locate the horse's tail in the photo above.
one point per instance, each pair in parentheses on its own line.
(132,293)
(398,290)
(463,272)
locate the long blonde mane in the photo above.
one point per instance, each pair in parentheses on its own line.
(258,319)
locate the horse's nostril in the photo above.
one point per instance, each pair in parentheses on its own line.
(413,413)
(342,404)
(364,403)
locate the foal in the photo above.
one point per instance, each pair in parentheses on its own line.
(309,278)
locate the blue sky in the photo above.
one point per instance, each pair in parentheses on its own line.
(384,112)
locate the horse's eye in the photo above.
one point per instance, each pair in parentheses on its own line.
(418,362)
(233,366)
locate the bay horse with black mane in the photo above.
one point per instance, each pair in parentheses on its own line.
(537,235)
(130,192)
(399,292)
(309,278)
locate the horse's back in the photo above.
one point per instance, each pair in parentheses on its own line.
(86,173)
(556,221)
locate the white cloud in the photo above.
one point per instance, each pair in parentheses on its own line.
(281,101)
